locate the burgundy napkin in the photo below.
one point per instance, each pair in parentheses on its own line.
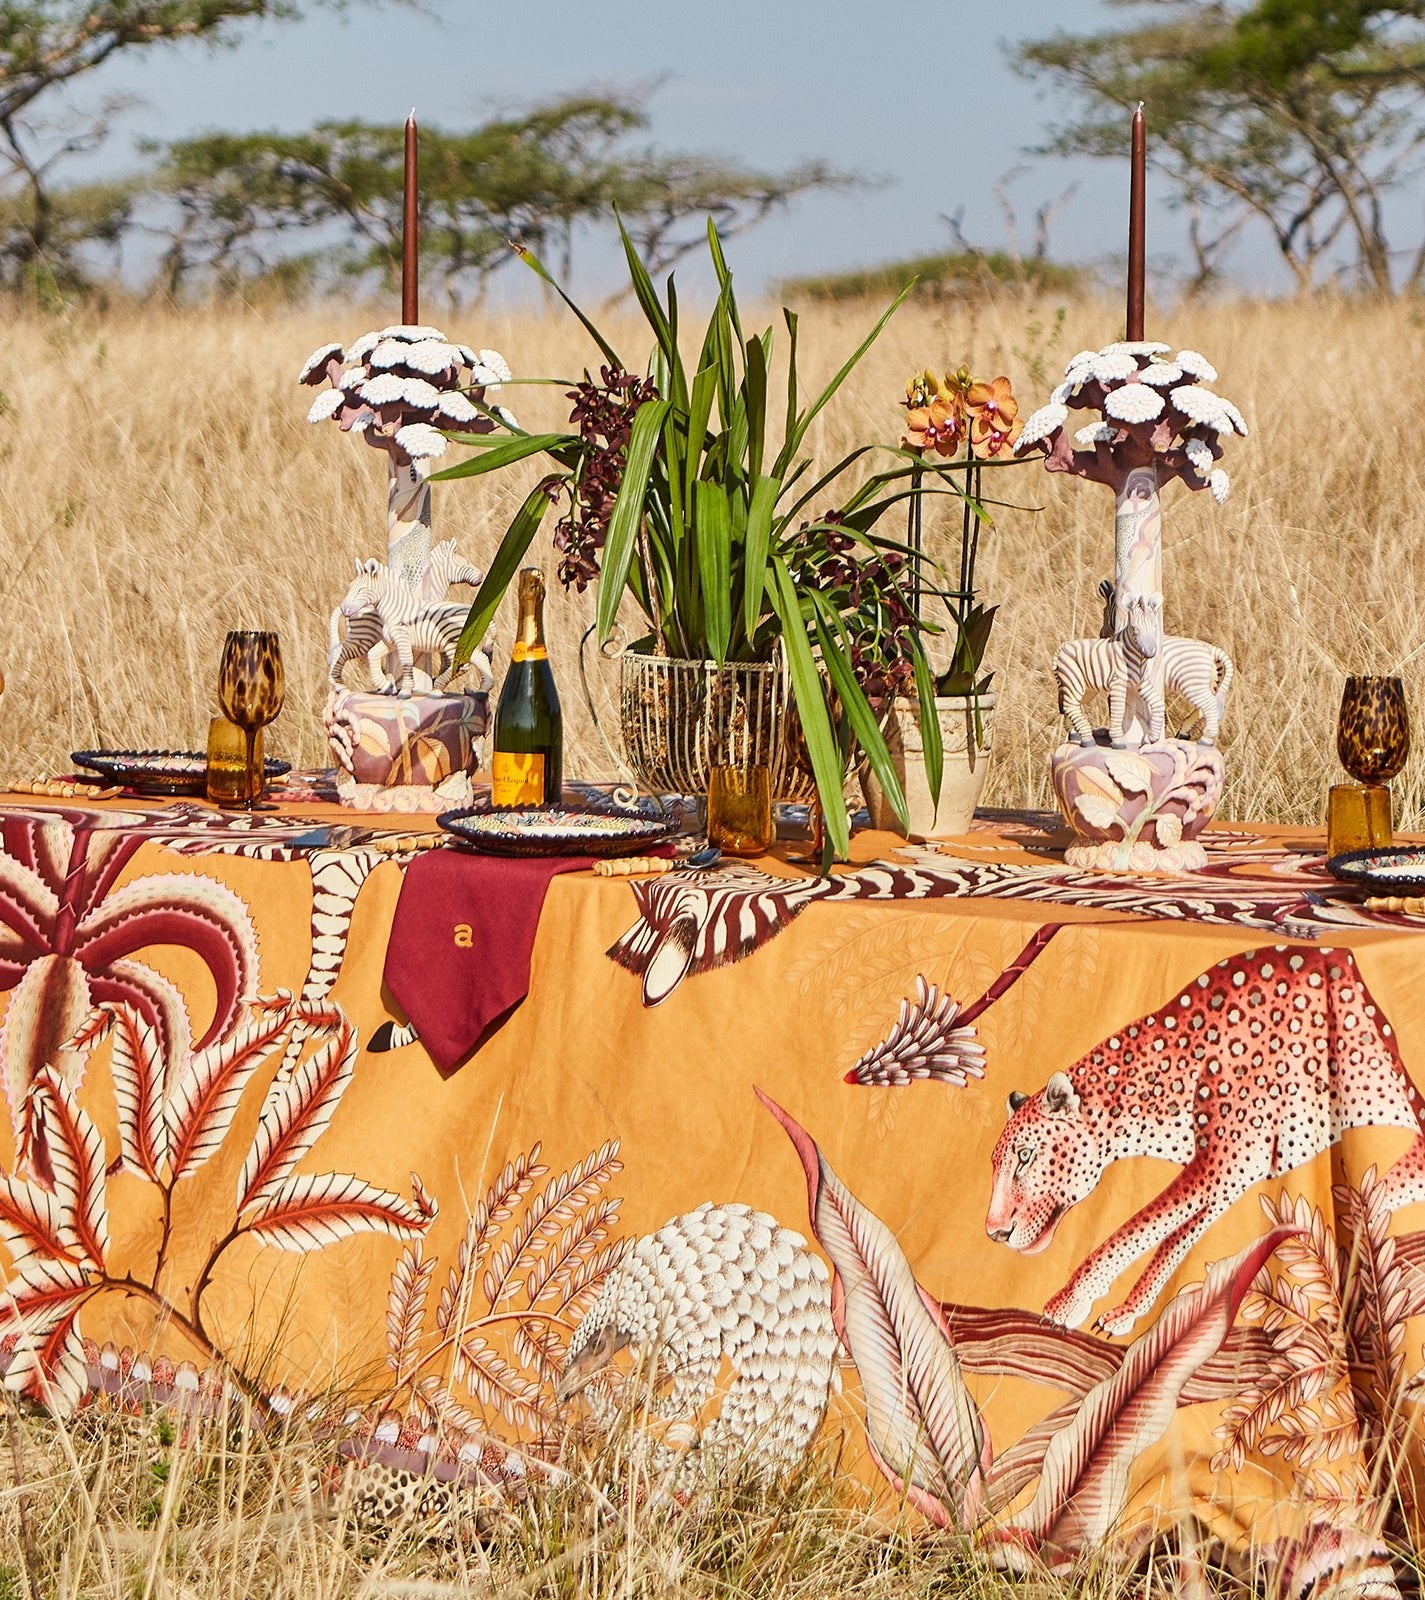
(458,958)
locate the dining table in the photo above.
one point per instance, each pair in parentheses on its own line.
(1052,1207)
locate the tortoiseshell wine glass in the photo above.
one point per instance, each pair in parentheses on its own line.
(251,690)
(1373,729)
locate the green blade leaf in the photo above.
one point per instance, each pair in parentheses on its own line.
(756,388)
(833,644)
(797,432)
(628,509)
(931,739)
(754,558)
(657,317)
(713,531)
(503,567)
(704,389)
(493,457)
(536,266)
(724,277)
(817,731)
(790,317)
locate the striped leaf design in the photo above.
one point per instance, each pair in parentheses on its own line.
(307,1213)
(38,1312)
(405,1311)
(297,1112)
(202,1101)
(30,1222)
(1085,1482)
(922,1425)
(138,1070)
(76,1160)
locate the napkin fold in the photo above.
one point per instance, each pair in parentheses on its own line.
(461,939)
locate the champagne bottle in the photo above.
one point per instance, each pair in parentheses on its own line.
(527,766)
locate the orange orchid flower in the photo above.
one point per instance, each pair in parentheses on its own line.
(940,426)
(995,420)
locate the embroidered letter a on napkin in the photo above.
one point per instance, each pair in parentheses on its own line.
(461,940)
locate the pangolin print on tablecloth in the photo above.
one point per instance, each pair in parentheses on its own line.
(720,1285)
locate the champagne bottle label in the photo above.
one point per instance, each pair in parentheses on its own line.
(520,651)
(516,778)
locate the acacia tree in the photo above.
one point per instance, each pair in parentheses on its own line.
(1304,114)
(45,46)
(232,206)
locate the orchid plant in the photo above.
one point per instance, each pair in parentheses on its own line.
(676,498)
(971,421)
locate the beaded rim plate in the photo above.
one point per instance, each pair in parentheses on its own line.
(160,771)
(1400,870)
(556,830)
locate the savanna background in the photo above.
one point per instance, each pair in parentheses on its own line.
(179,228)
(161,485)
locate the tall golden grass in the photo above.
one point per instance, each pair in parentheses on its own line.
(159,485)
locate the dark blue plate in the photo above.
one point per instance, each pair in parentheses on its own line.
(556,830)
(1397,869)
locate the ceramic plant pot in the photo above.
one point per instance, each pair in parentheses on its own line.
(965,732)
(405,752)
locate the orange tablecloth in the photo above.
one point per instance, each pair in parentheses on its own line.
(1109,1189)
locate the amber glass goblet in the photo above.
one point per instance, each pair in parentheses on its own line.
(1373,729)
(251,690)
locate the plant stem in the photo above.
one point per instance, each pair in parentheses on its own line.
(913,536)
(191,1327)
(207,1271)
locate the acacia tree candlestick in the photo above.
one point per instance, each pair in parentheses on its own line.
(410,230)
(1136,200)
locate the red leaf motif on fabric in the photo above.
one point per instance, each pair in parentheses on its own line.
(137,1067)
(1084,1485)
(47,1009)
(76,1160)
(30,1223)
(184,909)
(39,1307)
(307,1213)
(209,1085)
(922,1425)
(297,1112)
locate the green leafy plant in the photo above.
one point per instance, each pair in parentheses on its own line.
(682,499)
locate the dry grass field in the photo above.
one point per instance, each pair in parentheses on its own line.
(116,1506)
(158,485)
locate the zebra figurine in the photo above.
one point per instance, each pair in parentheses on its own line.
(1140,640)
(409,617)
(1192,668)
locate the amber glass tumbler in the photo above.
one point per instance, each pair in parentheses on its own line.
(740,810)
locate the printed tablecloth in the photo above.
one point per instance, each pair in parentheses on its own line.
(1076,1204)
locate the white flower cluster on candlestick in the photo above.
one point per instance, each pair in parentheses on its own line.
(402,389)
(1154,409)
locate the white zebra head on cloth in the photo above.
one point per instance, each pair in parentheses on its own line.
(694,922)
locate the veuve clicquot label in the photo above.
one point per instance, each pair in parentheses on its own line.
(526,762)
(516,778)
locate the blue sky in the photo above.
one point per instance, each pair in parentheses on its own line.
(921,100)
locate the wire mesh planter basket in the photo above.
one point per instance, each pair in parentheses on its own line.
(680,718)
